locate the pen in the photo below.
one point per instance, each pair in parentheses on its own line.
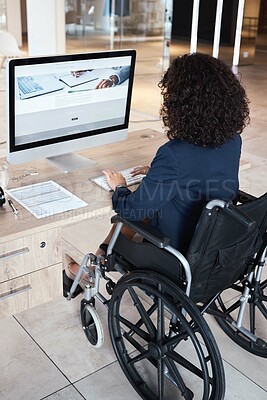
(10,202)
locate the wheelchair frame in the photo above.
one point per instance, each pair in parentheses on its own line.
(185,319)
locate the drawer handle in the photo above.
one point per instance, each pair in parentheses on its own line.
(13,292)
(14,253)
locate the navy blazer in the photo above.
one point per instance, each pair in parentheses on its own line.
(181,180)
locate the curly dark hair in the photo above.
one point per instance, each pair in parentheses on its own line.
(203,101)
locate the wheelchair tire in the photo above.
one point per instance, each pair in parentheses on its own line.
(255,318)
(92,326)
(162,342)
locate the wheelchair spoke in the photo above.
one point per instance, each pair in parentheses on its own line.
(160,321)
(160,380)
(149,312)
(179,359)
(177,379)
(264,284)
(201,373)
(134,343)
(252,317)
(222,306)
(173,341)
(139,357)
(233,307)
(262,299)
(142,311)
(262,308)
(238,287)
(134,329)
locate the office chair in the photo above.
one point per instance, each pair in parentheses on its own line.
(8,47)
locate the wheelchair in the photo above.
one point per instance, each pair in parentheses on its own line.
(157,304)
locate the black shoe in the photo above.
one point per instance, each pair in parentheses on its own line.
(67,283)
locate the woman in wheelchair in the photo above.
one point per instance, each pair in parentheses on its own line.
(196,244)
(204,110)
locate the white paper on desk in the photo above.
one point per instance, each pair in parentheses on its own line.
(45,199)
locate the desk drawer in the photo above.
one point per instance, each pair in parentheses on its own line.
(30,290)
(29,253)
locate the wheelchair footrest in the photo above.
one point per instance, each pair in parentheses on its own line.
(67,283)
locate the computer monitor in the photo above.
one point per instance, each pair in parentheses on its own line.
(55,106)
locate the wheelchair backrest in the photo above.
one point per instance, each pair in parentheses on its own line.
(223,245)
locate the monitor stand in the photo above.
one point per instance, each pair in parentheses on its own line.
(70,162)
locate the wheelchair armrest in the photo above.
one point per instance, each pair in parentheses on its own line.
(145,230)
(243,197)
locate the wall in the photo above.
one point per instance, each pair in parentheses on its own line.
(146,17)
(251,8)
(23,17)
(46,27)
(14,19)
(261,42)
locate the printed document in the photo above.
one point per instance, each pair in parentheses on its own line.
(46,199)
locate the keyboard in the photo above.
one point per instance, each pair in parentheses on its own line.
(130,180)
(28,85)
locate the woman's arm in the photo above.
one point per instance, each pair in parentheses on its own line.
(155,191)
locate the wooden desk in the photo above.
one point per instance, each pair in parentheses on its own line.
(31,248)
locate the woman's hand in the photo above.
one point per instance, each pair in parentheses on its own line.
(141,169)
(114,178)
(77,74)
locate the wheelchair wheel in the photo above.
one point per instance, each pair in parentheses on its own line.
(162,342)
(254,319)
(92,326)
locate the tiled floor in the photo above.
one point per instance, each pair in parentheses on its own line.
(44,352)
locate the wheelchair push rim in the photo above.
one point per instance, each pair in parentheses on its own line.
(162,342)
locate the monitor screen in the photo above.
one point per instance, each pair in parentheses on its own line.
(67,103)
